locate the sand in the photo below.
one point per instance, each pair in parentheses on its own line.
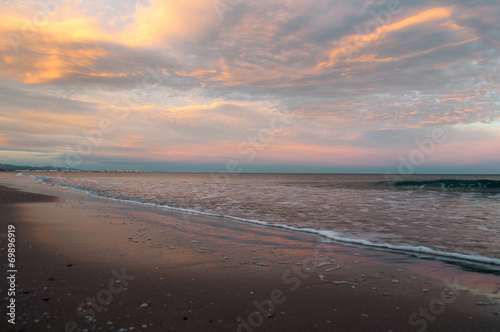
(90,264)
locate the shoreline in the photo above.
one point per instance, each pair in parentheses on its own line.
(195,273)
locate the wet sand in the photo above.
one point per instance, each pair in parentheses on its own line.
(92,264)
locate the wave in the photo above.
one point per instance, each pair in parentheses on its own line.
(445,184)
(328,234)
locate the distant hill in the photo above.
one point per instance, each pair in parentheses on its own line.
(7,167)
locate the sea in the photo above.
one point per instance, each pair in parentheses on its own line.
(447,216)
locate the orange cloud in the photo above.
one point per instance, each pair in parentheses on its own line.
(3,140)
(51,123)
(131,141)
(163,20)
(351,43)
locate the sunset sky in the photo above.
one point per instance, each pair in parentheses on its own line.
(239,85)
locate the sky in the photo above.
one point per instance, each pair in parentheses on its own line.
(251,86)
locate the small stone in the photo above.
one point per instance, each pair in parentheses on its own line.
(484,303)
(395,281)
(144,305)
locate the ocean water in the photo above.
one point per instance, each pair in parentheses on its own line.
(448,216)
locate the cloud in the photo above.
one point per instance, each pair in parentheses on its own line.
(161,21)
(3,140)
(360,85)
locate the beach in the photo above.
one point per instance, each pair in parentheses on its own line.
(86,263)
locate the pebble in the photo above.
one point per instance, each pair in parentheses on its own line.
(333,268)
(425,290)
(395,281)
(322,278)
(449,295)
(484,303)
(144,305)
